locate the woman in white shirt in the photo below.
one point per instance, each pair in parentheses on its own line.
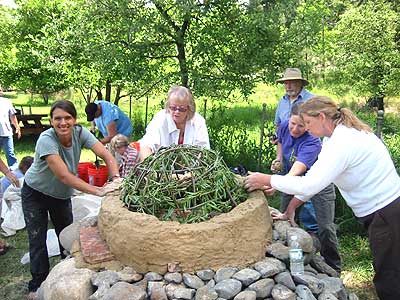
(178,123)
(358,163)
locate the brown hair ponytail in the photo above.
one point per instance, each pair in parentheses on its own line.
(317,104)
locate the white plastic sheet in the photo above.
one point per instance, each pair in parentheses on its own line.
(53,248)
(11,212)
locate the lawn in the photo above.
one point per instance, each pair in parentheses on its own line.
(357,270)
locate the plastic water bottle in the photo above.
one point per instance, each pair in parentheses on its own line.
(296,257)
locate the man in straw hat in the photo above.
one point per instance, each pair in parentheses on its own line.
(294,86)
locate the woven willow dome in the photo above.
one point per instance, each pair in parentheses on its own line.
(184,183)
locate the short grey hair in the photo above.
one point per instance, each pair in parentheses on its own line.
(183,94)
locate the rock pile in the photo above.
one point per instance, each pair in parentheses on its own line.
(266,279)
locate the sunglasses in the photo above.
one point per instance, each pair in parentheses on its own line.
(178,108)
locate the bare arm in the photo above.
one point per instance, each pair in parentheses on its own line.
(290,212)
(4,169)
(60,170)
(297,169)
(111,132)
(14,121)
(279,154)
(144,152)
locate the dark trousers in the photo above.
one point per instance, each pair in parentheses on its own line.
(324,204)
(36,207)
(383,228)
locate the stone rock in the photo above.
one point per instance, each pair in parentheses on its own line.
(192,281)
(285,279)
(304,293)
(66,282)
(126,291)
(313,283)
(210,284)
(269,267)
(205,274)
(308,268)
(246,295)
(154,285)
(327,296)
(281,292)
(175,277)
(305,240)
(68,235)
(105,278)
(281,228)
(247,276)
(278,251)
(142,284)
(128,274)
(170,289)
(228,288)
(153,276)
(318,263)
(262,287)
(225,273)
(335,286)
(184,293)
(205,293)
(158,293)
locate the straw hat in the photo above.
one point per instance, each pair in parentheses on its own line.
(292,74)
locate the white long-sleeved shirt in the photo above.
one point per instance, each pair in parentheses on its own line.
(162,131)
(358,163)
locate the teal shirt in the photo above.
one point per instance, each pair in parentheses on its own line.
(40,177)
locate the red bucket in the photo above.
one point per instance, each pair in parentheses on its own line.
(83,170)
(136,145)
(97,177)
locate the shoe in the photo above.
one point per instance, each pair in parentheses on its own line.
(32,296)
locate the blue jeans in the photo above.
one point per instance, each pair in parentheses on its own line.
(7,143)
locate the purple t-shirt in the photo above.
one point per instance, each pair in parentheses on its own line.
(304,149)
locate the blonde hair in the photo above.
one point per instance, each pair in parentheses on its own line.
(322,104)
(182,94)
(118,141)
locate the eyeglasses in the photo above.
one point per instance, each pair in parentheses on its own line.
(178,108)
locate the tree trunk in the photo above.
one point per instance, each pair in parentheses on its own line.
(99,94)
(108,90)
(117,95)
(180,45)
(45,97)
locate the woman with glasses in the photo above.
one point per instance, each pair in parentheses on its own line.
(178,123)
